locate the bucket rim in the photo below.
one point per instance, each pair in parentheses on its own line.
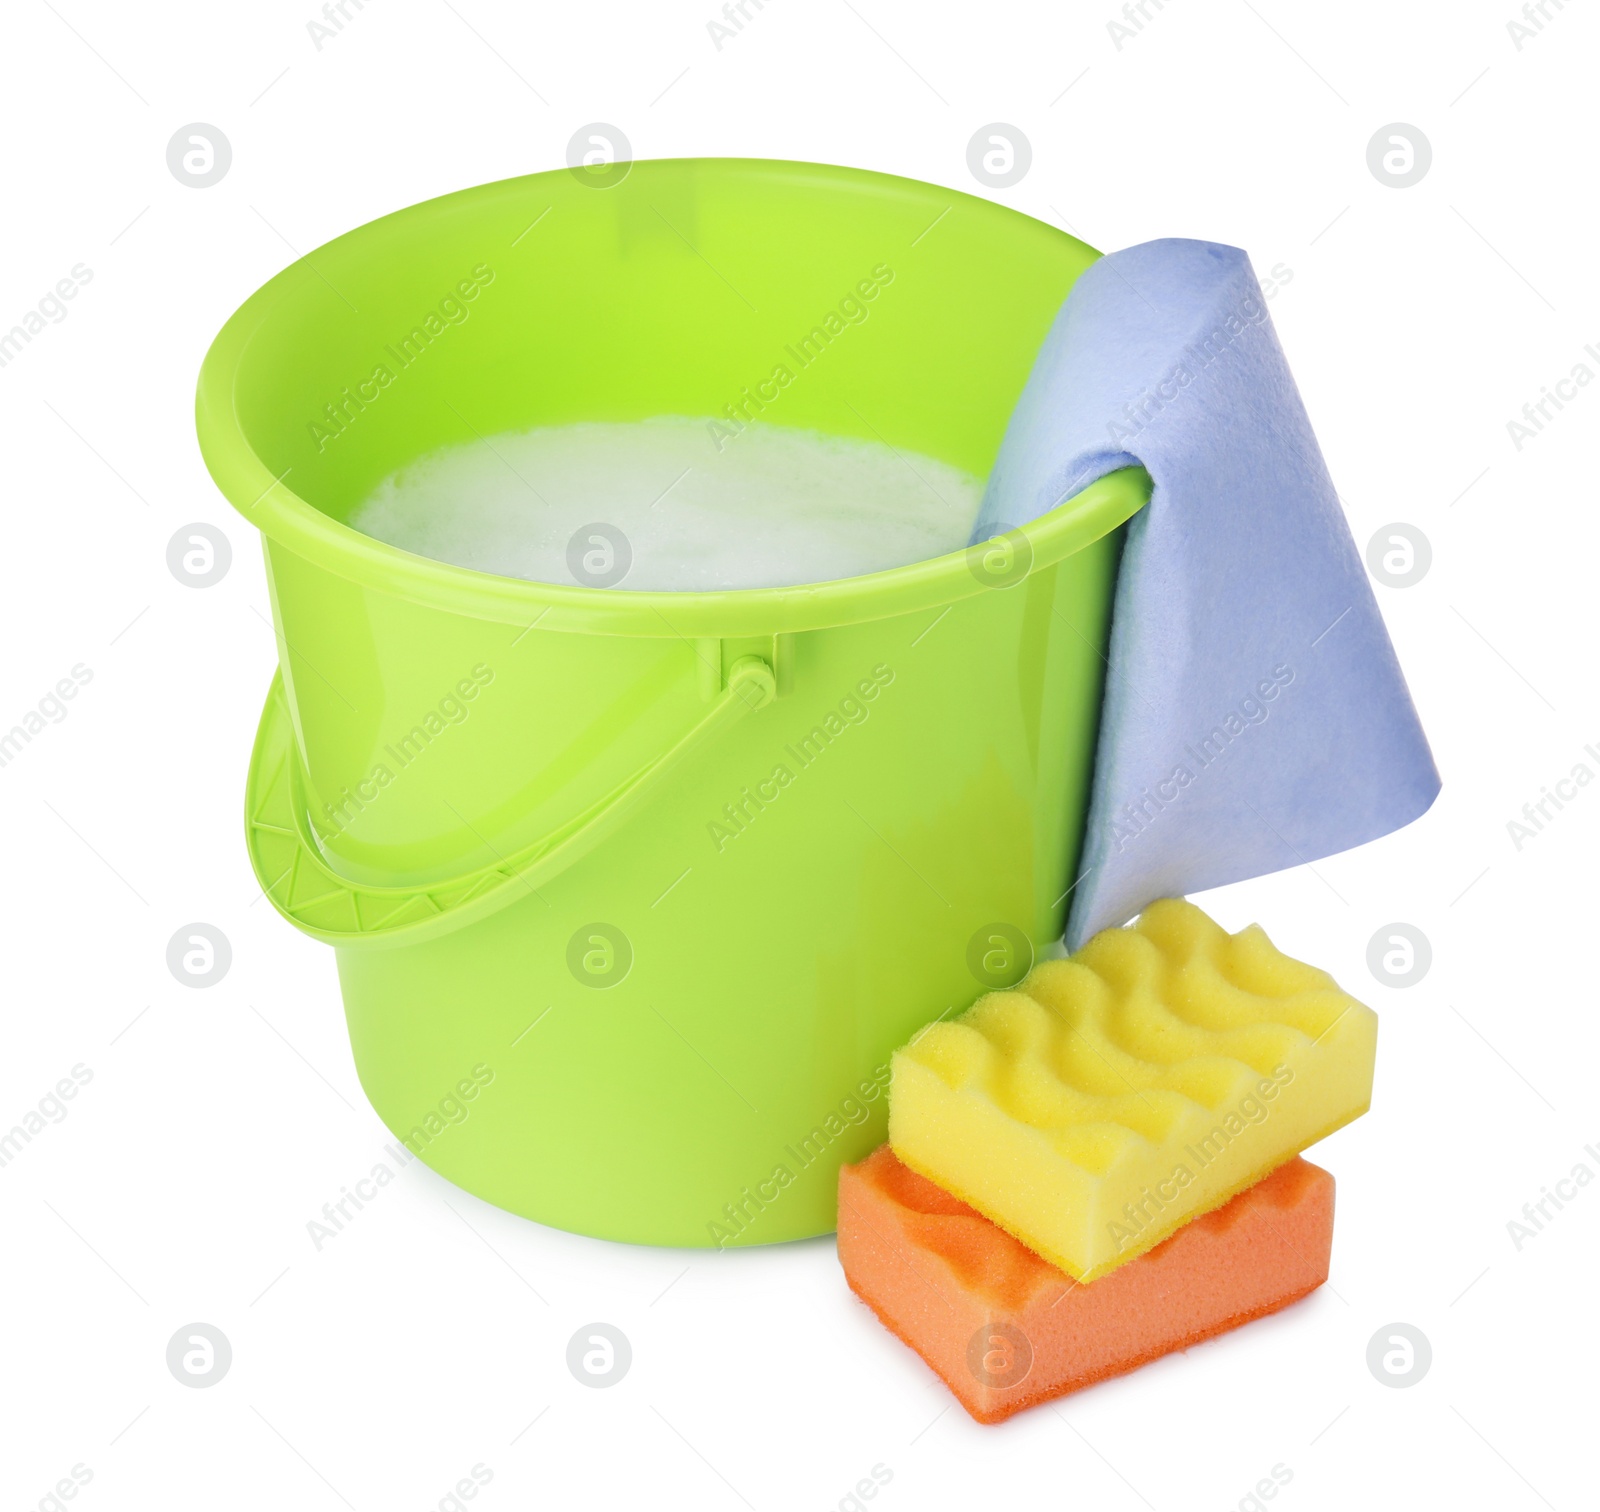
(293,523)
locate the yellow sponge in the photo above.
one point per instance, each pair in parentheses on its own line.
(1114,1096)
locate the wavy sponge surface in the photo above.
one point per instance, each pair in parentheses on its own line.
(1005,1329)
(1115,1096)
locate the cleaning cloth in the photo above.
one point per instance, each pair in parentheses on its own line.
(1255,716)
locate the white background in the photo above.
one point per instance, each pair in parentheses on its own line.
(428,1337)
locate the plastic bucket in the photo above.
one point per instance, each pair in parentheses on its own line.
(633,893)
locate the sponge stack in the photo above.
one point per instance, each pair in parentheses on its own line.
(1102,1166)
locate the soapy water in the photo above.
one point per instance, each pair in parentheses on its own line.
(652,504)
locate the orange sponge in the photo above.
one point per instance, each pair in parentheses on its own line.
(1006,1329)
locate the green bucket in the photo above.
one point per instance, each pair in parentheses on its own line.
(632,894)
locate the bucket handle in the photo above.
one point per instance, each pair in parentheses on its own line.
(318,901)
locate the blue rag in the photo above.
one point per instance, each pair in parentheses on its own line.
(1255,715)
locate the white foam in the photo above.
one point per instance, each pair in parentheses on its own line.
(774,507)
